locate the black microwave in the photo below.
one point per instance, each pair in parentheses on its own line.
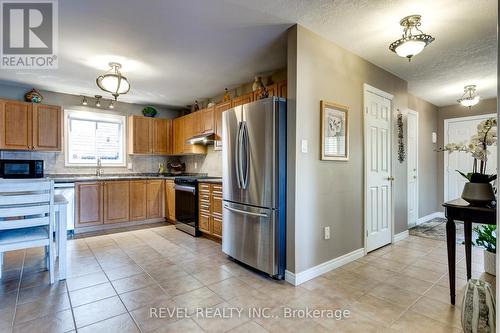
(21,168)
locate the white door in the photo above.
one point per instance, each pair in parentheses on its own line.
(378,183)
(412,173)
(460,130)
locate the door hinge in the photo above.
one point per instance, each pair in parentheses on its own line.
(367,233)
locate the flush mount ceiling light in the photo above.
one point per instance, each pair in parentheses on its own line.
(113,81)
(413,40)
(470,96)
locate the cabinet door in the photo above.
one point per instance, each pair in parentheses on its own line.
(88,204)
(47,127)
(138,200)
(178,136)
(217,226)
(243,99)
(219,108)
(207,116)
(154,199)
(170,200)
(197,123)
(282,89)
(272,89)
(15,125)
(116,201)
(160,136)
(141,135)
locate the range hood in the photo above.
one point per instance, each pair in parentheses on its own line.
(205,138)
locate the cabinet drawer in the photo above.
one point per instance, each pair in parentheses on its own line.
(217,189)
(217,206)
(204,223)
(205,207)
(204,187)
(204,197)
(217,226)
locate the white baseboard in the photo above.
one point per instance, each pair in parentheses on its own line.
(399,237)
(429,217)
(311,273)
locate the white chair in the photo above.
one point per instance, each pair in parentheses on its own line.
(27,218)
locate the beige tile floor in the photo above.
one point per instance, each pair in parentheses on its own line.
(114,280)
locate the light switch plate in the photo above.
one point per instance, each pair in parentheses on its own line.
(305,148)
(327,232)
(130,166)
(434,137)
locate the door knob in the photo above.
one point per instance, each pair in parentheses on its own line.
(391,178)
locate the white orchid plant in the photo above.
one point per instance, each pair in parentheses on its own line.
(478,147)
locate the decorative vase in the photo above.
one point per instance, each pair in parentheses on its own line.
(33,96)
(478,307)
(478,194)
(490,262)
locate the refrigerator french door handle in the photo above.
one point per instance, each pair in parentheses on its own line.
(245,143)
(237,149)
(245,212)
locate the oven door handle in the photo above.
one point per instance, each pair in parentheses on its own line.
(185,188)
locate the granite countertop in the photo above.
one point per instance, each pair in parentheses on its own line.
(71,178)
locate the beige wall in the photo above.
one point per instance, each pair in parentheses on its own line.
(427,156)
(327,193)
(456,111)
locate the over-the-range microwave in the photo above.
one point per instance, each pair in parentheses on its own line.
(21,168)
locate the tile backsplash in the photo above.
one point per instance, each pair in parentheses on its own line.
(210,164)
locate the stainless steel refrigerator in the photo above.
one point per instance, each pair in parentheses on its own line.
(254,184)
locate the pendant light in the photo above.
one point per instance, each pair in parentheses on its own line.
(113,81)
(84,101)
(470,96)
(111,105)
(413,40)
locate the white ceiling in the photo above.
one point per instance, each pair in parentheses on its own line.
(177,51)
(464,51)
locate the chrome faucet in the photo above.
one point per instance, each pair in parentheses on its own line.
(98,170)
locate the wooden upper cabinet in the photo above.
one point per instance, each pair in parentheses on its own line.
(162,136)
(219,108)
(138,200)
(140,131)
(178,136)
(15,125)
(197,123)
(116,201)
(207,119)
(170,200)
(154,199)
(47,131)
(243,99)
(88,198)
(282,89)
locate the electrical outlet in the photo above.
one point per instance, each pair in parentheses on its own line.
(327,232)
(196,165)
(130,166)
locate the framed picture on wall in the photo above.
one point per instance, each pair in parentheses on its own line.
(334,132)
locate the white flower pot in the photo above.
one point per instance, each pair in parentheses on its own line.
(489,262)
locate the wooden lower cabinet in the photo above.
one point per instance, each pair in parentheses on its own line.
(116,201)
(89,205)
(170,200)
(154,199)
(138,200)
(210,209)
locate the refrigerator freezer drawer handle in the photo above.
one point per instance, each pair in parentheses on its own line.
(245,212)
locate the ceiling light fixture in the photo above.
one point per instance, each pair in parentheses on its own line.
(413,40)
(113,81)
(98,100)
(84,101)
(470,96)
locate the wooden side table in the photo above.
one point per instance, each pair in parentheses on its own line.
(461,210)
